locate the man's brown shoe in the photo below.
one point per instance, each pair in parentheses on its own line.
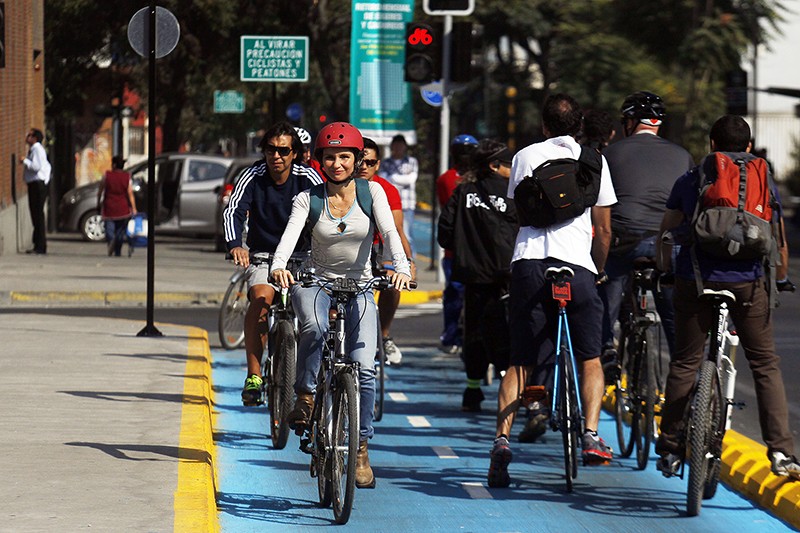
(365,479)
(301,413)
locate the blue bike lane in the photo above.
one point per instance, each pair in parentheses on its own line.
(430,460)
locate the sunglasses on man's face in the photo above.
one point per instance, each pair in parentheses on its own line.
(370,162)
(283,151)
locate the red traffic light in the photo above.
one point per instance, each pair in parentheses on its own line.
(420,36)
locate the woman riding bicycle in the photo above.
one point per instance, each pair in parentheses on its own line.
(341,245)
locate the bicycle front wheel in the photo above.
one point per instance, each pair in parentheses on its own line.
(321,459)
(230,323)
(345,446)
(281,390)
(701,435)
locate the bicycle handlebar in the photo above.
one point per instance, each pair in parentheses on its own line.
(347,285)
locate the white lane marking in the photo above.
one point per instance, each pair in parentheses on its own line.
(418,421)
(445,452)
(476,491)
(398,396)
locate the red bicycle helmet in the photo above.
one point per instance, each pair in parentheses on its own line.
(338,135)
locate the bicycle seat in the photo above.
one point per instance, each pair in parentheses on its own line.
(723,296)
(260,258)
(559,273)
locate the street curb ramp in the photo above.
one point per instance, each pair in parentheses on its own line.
(195,501)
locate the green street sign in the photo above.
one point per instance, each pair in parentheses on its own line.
(228,102)
(274,58)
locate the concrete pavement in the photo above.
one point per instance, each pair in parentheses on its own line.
(104,429)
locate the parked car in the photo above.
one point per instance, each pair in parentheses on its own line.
(239,165)
(188,186)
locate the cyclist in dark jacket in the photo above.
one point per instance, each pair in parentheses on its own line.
(479,223)
(264,193)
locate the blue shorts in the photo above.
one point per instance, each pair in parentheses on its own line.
(534,314)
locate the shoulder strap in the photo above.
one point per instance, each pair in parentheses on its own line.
(316,202)
(364,197)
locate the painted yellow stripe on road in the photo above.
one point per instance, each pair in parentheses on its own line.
(195,497)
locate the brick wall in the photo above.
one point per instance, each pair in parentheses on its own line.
(21,107)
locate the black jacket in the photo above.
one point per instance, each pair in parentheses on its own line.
(479,223)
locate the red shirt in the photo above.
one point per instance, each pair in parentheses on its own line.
(115,195)
(393,195)
(445,185)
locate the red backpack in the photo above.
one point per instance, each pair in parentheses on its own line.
(735,207)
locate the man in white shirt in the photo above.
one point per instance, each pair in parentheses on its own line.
(402,171)
(532,311)
(37,176)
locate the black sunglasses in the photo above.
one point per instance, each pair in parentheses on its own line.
(283,151)
(370,162)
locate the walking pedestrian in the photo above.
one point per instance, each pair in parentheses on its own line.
(116,204)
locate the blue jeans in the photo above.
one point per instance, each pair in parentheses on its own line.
(452,303)
(311,305)
(618,268)
(115,234)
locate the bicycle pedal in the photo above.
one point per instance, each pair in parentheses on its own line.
(305,446)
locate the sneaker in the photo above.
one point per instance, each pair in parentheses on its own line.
(784,466)
(391,351)
(251,393)
(595,450)
(448,348)
(669,464)
(471,402)
(535,427)
(498,467)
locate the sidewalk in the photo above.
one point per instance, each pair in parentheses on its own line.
(104,429)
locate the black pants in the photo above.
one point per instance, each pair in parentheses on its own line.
(37,195)
(485,329)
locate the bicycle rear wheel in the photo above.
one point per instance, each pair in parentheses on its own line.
(645,395)
(701,433)
(281,390)
(345,446)
(569,419)
(230,323)
(623,405)
(380,361)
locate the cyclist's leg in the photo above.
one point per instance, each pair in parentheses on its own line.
(452,303)
(260,295)
(388,302)
(691,324)
(753,321)
(311,306)
(663,299)
(618,270)
(360,327)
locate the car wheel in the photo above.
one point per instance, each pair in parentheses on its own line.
(92,227)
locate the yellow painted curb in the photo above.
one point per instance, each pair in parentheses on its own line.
(418,297)
(195,497)
(746,469)
(45,297)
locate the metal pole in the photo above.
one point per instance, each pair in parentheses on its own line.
(444,131)
(150,329)
(755,93)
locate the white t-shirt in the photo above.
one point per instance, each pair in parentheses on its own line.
(570,241)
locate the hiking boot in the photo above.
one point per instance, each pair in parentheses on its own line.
(301,412)
(365,479)
(498,467)
(784,466)
(471,402)
(391,351)
(595,450)
(251,393)
(535,427)
(669,464)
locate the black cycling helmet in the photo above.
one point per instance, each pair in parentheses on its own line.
(644,106)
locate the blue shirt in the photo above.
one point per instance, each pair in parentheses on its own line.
(268,205)
(684,198)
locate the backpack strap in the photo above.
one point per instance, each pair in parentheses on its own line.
(364,198)
(316,202)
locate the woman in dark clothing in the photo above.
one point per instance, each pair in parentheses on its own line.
(479,223)
(116,204)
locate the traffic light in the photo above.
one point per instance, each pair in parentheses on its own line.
(736,92)
(461,52)
(448,7)
(423,53)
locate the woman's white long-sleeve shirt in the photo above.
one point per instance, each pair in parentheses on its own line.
(347,253)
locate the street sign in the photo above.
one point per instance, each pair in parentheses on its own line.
(432,93)
(274,58)
(168,31)
(228,102)
(448,7)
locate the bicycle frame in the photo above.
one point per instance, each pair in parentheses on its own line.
(563,329)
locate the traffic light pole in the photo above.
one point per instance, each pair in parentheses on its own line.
(444,129)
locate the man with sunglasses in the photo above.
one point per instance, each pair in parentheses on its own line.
(389,299)
(265,193)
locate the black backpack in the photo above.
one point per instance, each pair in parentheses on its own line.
(559,190)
